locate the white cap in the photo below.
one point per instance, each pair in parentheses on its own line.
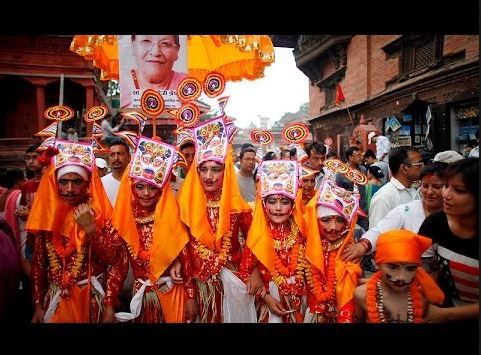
(100,163)
(77,169)
(370,136)
(323,211)
(448,156)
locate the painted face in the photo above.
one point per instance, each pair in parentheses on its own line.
(398,276)
(457,200)
(73,189)
(278,208)
(211,175)
(119,157)
(189,154)
(155,56)
(308,185)
(432,191)
(331,227)
(146,195)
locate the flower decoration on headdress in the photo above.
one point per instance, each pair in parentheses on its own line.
(96,113)
(58,113)
(214,84)
(152,162)
(184,135)
(345,202)
(296,133)
(71,153)
(279,177)
(336,166)
(189,89)
(152,103)
(260,136)
(211,138)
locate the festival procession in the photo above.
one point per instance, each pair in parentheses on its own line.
(131,194)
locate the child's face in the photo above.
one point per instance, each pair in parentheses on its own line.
(398,276)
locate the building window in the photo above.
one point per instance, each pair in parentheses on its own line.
(419,52)
(330,92)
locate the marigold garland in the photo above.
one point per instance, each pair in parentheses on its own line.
(65,278)
(315,282)
(374,309)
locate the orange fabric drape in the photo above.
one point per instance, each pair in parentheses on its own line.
(347,273)
(259,238)
(50,213)
(170,235)
(75,308)
(193,202)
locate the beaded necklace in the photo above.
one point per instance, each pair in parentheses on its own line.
(377,311)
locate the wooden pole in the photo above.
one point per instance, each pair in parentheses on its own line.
(349,113)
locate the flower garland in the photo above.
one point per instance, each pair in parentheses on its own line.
(375,302)
(220,257)
(65,278)
(296,264)
(314,280)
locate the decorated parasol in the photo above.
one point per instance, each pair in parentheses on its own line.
(236,57)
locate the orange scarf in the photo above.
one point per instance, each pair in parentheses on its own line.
(259,238)
(50,213)
(404,246)
(347,273)
(169,234)
(193,202)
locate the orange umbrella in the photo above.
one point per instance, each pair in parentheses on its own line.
(237,57)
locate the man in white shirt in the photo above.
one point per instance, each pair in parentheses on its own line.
(119,158)
(383,146)
(405,164)
(245,179)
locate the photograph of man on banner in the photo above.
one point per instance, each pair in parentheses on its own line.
(156,62)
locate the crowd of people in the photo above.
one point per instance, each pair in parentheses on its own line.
(175,234)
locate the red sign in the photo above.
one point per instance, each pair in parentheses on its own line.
(328,141)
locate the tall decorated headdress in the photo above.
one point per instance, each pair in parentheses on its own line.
(277,177)
(62,157)
(331,199)
(212,143)
(342,201)
(152,163)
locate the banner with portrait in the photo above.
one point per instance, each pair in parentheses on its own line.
(151,62)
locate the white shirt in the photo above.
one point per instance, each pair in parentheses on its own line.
(389,197)
(474,152)
(408,216)
(111,186)
(383,146)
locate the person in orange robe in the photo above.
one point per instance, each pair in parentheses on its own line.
(146,223)
(276,244)
(68,279)
(218,220)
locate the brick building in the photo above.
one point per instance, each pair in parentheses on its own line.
(384,76)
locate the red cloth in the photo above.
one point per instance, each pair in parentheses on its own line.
(339,95)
